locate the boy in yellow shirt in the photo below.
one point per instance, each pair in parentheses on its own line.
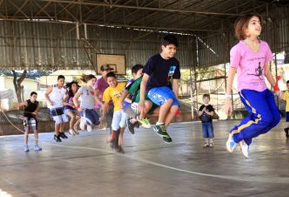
(114,92)
(286,99)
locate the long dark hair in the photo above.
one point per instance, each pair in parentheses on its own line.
(69,89)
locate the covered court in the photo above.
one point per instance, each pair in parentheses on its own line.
(57,35)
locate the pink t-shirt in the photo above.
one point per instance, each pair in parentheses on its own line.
(100,85)
(250,65)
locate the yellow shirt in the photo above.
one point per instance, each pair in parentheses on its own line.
(114,94)
(286,99)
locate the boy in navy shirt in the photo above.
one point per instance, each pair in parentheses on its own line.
(160,82)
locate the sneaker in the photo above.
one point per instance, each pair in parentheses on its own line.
(71,132)
(145,123)
(89,128)
(62,135)
(231,144)
(206,144)
(37,148)
(130,126)
(162,132)
(57,138)
(76,132)
(26,148)
(120,150)
(167,139)
(82,124)
(211,143)
(136,124)
(244,149)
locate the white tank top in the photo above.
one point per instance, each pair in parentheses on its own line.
(56,96)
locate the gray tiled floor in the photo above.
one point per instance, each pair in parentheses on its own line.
(85,165)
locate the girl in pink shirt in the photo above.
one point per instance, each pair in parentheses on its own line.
(250,58)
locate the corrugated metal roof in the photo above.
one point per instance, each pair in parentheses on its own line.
(127,27)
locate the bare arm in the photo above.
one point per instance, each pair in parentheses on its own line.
(36,111)
(97,100)
(269,75)
(48,91)
(75,99)
(175,87)
(228,108)
(231,76)
(105,109)
(23,104)
(65,99)
(123,97)
(271,80)
(210,113)
(143,88)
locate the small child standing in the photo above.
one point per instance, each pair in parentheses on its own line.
(206,112)
(286,99)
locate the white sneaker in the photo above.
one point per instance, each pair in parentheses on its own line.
(26,148)
(89,128)
(37,148)
(244,149)
(206,144)
(71,132)
(211,142)
(231,144)
(82,124)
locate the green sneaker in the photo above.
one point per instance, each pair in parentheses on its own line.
(145,123)
(162,132)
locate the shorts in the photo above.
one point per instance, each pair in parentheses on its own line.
(108,116)
(68,110)
(30,123)
(58,115)
(90,116)
(118,120)
(130,112)
(160,95)
(287,116)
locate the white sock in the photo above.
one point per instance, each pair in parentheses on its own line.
(159,123)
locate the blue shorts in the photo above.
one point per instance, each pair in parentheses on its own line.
(58,115)
(68,110)
(90,116)
(287,116)
(160,95)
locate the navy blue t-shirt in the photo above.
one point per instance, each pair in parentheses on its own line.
(161,71)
